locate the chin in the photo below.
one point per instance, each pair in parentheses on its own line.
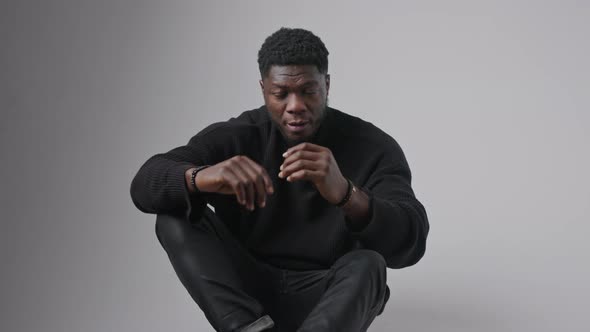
(294,140)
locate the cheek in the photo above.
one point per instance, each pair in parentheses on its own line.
(275,111)
(319,100)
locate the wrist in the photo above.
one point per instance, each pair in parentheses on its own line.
(357,210)
(191,178)
(350,189)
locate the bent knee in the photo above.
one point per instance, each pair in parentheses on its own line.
(364,260)
(170,229)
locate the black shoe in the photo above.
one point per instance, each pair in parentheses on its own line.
(261,324)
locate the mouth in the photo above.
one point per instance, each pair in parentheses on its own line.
(297,126)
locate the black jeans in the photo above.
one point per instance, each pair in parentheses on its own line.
(233,288)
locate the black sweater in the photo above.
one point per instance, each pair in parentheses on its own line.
(297,229)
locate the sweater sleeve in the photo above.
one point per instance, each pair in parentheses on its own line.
(160,187)
(398,225)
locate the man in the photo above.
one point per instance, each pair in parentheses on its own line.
(311,205)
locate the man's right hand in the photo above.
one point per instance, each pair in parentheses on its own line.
(239,176)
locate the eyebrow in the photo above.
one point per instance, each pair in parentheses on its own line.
(304,85)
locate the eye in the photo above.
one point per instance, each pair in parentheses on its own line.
(279,94)
(309,92)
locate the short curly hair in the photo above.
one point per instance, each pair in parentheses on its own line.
(289,46)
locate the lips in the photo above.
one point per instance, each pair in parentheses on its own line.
(297,126)
(298,123)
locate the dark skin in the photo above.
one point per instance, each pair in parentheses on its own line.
(296,99)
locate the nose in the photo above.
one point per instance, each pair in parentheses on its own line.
(295,104)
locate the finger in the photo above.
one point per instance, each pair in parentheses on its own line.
(249,184)
(303,146)
(265,177)
(256,177)
(298,155)
(267,182)
(303,174)
(298,165)
(238,169)
(234,182)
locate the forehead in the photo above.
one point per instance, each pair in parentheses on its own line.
(293,75)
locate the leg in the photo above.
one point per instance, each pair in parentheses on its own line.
(356,292)
(219,274)
(300,293)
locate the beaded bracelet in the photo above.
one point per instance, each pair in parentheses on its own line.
(348,195)
(194,175)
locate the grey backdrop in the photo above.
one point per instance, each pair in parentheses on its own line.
(489,100)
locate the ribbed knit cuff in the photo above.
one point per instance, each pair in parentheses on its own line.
(178,189)
(357,229)
(195,203)
(384,219)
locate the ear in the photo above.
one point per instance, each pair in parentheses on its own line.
(261,85)
(327,84)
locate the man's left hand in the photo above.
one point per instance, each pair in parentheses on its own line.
(311,162)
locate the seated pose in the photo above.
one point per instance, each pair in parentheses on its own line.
(286,217)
